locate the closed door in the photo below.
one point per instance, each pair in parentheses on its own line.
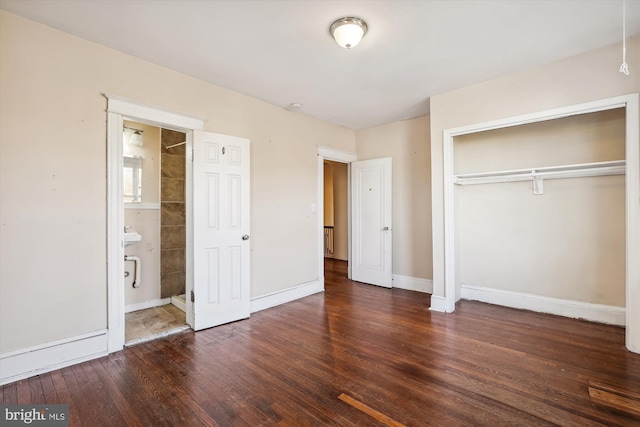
(221,282)
(371,222)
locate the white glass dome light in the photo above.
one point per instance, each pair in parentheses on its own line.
(348,32)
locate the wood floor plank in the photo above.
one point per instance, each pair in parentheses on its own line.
(48,388)
(147,409)
(615,401)
(370,411)
(23,391)
(621,400)
(106,409)
(483,365)
(35,388)
(115,394)
(227,388)
(64,396)
(10,394)
(161,374)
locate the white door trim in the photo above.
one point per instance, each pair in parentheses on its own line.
(632,189)
(336,155)
(119,109)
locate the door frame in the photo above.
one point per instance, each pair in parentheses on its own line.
(632,196)
(340,156)
(118,110)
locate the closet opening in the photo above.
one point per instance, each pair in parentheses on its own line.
(542,204)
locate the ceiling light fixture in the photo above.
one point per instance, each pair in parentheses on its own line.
(348,32)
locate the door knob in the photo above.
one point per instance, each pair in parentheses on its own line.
(385,229)
(245,237)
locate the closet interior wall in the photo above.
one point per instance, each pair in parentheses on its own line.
(567,243)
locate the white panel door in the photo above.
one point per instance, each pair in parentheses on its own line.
(220,229)
(371,221)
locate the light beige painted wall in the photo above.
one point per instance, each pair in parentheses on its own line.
(587,77)
(340,211)
(595,137)
(407,143)
(53,176)
(567,243)
(328,195)
(145,221)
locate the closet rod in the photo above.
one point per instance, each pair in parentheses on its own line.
(616,167)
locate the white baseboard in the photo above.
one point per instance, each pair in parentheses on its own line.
(286,295)
(438,304)
(146,304)
(412,283)
(37,360)
(568,308)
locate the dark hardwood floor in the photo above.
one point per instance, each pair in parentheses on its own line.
(356,355)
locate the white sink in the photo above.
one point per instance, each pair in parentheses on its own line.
(131,237)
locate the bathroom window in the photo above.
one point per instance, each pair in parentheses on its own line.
(132,179)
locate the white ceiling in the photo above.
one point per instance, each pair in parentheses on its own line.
(281,51)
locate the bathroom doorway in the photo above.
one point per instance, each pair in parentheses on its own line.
(155,231)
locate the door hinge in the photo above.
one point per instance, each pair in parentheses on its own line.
(191,155)
(193,297)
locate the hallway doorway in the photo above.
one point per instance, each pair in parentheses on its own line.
(336,211)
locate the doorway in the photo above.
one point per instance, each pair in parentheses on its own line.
(332,156)
(336,216)
(368,216)
(120,110)
(217,196)
(154,166)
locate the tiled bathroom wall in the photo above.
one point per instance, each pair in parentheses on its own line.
(172,214)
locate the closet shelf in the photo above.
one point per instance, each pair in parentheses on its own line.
(537,175)
(616,167)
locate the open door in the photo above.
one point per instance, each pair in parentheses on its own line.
(371,221)
(220,229)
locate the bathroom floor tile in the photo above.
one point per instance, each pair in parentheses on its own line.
(142,325)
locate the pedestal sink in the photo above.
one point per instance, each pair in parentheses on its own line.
(131,237)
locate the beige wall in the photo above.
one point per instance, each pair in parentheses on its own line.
(587,77)
(328,195)
(567,243)
(407,143)
(145,221)
(53,176)
(340,211)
